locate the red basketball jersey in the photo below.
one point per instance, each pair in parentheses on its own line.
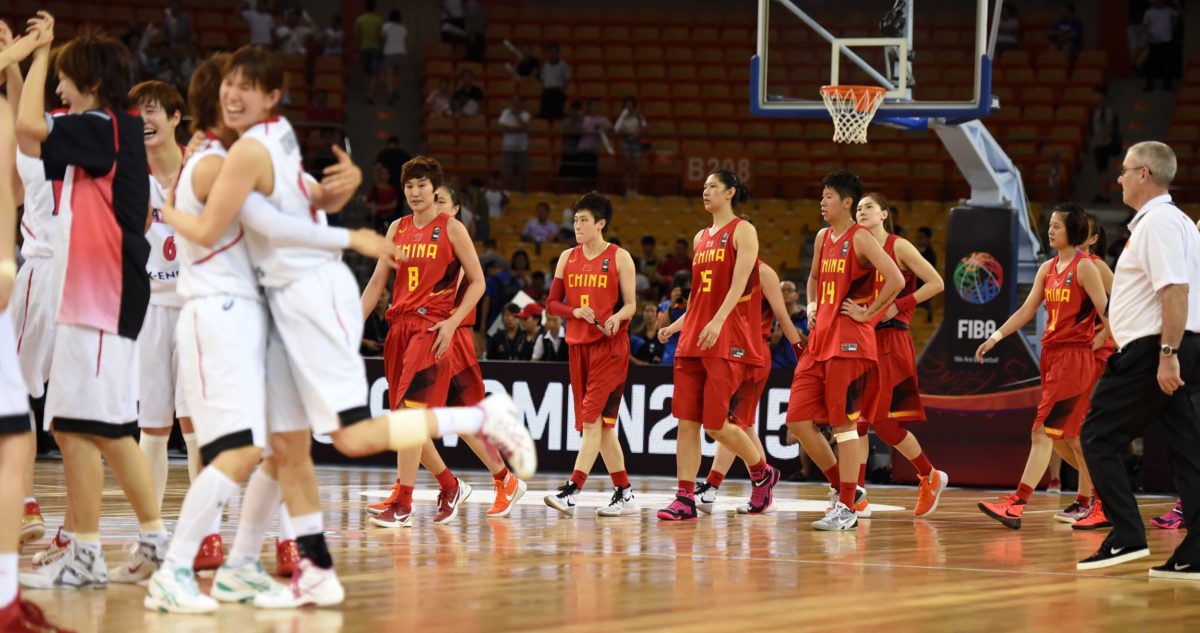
(910,281)
(427,282)
(766,315)
(840,276)
(468,320)
(1109,346)
(1070,315)
(592,283)
(712,276)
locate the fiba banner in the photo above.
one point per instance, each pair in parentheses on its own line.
(542,392)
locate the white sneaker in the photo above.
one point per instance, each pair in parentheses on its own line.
(310,585)
(145,557)
(174,590)
(860,501)
(241,583)
(706,496)
(504,429)
(75,568)
(53,550)
(622,504)
(839,518)
(564,500)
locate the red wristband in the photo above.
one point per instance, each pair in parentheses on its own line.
(906,303)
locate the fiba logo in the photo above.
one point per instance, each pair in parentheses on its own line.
(978,278)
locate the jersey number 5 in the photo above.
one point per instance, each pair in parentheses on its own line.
(169,248)
(706,281)
(414,278)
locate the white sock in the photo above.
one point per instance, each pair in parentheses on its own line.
(154,447)
(407,429)
(287,531)
(261,499)
(309,524)
(66,536)
(8,577)
(458,420)
(205,498)
(30,500)
(193,455)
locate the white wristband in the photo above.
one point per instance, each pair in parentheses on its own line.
(997,336)
(812,306)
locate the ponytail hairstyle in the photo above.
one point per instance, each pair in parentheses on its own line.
(1100,248)
(740,193)
(1075,220)
(881,200)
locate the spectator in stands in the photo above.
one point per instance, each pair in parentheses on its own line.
(925,248)
(644,346)
(383,200)
(595,126)
(476,25)
(1008,36)
(293,35)
(555,75)
(527,62)
(647,263)
(566,228)
(333,38)
(518,267)
(671,309)
(783,353)
(495,195)
(673,263)
(537,289)
(505,343)
(1104,136)
(531,329)
(468,96)
(393,157)
(514,144)
(376,327)
(1067,34)
(568,168)
(261,23)
(440,100)
(540,230)
(395,52)
(489,256)
(791,300)
(629,126)
(369,28)
(178,27)
(551,345)
(1160,23)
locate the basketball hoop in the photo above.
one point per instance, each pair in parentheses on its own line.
(851,108)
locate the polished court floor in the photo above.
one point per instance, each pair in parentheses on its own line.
(537,571)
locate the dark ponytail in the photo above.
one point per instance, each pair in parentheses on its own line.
(740,192)
(1100,248)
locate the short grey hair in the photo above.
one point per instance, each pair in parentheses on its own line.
(1160,158)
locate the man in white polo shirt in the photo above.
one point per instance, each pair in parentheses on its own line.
(1155,377)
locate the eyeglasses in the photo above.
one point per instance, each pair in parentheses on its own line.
(1125,170)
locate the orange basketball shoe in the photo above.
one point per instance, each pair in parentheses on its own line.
(1008,511)
(1094,520)
(508,492)
(929,493)
(379,508)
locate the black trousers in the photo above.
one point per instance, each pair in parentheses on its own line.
(1126,401)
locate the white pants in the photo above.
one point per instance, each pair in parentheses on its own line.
(34,308)
(160,392)
(14,401)
(93,383)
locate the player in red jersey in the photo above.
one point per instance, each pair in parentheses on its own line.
(1073,290)
(899,402)
(768,295)
(718,347)
(836,378)
(464,389)
(434,249)
(594,291)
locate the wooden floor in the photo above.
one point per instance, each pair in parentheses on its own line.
(536,571)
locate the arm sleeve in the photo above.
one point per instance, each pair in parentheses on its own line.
(259,216)
(554,303)
(84,140)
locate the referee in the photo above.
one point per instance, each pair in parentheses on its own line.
(1155,377)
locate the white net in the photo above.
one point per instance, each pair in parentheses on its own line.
(851,108)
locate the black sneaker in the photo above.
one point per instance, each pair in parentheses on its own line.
(1111,554)
(1175,570)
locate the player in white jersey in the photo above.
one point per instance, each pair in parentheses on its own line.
(16,424)
(312,392)
(160,392)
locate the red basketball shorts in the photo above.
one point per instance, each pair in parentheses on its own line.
(707,390)
(748,397)
(598,373)
(834,391)
(1067,374)
(415,378)
(466,381)
(898,398)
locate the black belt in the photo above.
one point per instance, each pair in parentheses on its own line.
(1153,339)
(893,323)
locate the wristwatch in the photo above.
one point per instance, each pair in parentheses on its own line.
(1167,350)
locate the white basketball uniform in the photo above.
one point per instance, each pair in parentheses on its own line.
(315,308)
(222,332)
(14,399)
(34,303)
(160,392)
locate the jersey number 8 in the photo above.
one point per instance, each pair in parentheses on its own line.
(414,278)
